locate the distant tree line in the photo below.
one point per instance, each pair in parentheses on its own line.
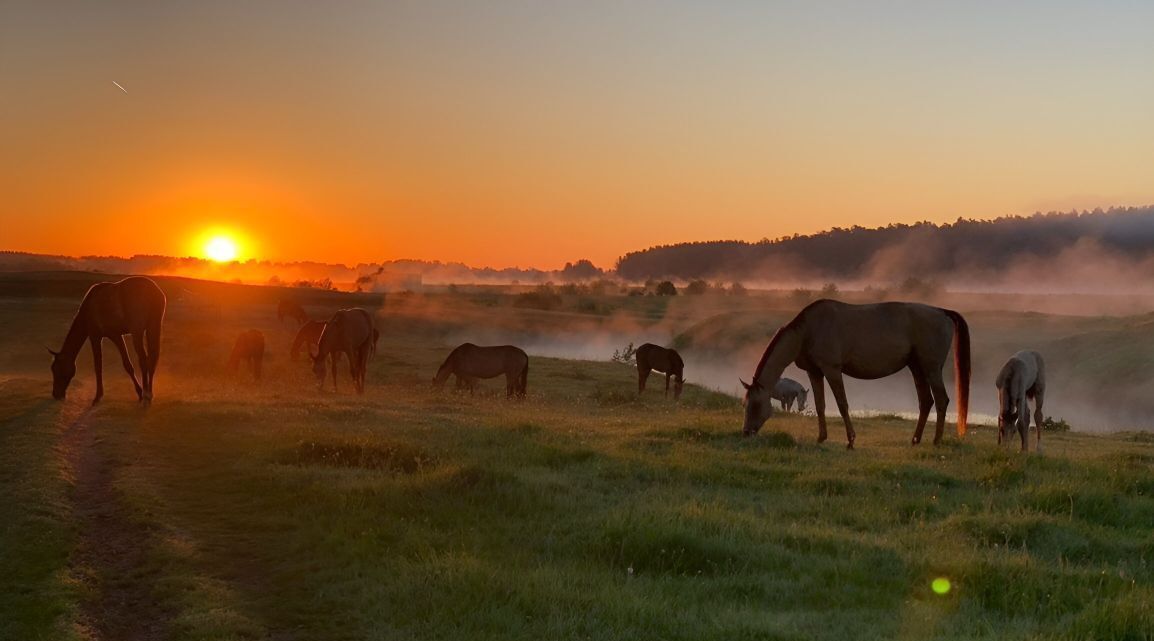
(898,250)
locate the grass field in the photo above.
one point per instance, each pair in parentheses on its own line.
(237,510)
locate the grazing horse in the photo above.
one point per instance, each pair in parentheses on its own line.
(787,391)
(307,336)
(291,309)
(349,331)
(1022,377)
(470,362)
(249,347)
(664,360)
(829,339)
(134,306)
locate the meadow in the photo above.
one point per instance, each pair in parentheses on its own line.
(232,509)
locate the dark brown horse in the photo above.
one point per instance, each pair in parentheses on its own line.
(291,309)
(829,339)
(664,360)
(470,362)
(134,306)
(307,336)
(249,347)
(349,331)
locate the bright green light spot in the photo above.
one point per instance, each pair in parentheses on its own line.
(941,586)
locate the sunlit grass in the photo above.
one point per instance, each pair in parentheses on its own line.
(276,510)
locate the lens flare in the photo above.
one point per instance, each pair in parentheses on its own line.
(941,586)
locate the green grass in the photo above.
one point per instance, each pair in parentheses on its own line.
(277,511)
(36,596)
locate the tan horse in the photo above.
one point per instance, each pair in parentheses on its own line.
(829,339)
(1022,377)
(134,306)
(470,362)
(249,347)
(349,331)
(307,336)
(667,361)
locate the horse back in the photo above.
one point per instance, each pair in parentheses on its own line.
(128,306)
(662,359)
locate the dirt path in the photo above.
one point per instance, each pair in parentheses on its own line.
(110,560)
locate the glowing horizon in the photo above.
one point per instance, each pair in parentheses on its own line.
(533,134)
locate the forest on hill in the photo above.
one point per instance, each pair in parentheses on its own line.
(1118,239)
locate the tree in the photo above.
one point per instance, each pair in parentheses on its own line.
(696,287)
(666,288)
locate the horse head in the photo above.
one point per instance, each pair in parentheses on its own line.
(758,406)
(62,372)
(318,368)
(678,383)
(802,396)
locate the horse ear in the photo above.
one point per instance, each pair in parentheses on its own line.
(743,384)
(54,354)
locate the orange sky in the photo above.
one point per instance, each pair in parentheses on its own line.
(528,134)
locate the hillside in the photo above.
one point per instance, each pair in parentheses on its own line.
(1103,247)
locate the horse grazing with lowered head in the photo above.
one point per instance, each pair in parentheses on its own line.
(307,336)
(291,309)
(470,362)
(664,360)
(1023,377)
(830,339)
(133,306)
(351,332)
(249,347)
(788,391)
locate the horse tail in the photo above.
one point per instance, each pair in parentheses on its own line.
(961,367)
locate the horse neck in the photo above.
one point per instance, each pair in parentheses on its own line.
(782,350)
(74,339)
(444,371)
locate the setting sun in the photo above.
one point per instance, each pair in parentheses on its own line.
(221,249)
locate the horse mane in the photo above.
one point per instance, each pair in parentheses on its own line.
(788,327)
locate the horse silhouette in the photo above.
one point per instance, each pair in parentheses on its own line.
(788,391)
(470,362)
(829,339)
(249,347)
(1023,377)
(667,361)
(291,309)
(351,332)
(133,306)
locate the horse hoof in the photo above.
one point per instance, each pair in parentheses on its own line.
(849,446)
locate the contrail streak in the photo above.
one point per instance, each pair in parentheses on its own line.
(119,87)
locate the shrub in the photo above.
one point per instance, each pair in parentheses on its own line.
(1050,424)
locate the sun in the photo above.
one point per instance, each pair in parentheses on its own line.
(221,249)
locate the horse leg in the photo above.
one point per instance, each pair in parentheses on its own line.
(1039,394)
(941,401)
(925,402)
(667,385)
(510,378)
(97,362)
(145,368)
(123,349)
(642,376)
(336,357)
(1024,422)
(837,386)
(817,384)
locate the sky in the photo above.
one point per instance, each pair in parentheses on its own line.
(535,133)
